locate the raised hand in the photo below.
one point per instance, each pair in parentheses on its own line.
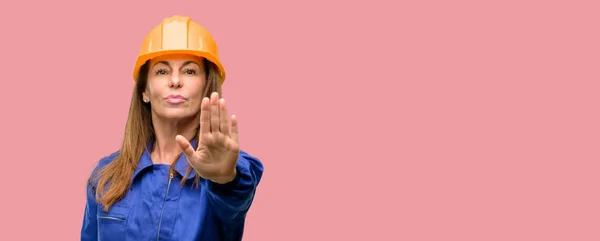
(216,157)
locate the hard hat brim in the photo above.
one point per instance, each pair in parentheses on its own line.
(145,57)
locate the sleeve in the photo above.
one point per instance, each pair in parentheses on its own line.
(231,201)
(89,226)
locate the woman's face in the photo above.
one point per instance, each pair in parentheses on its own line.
(175,86)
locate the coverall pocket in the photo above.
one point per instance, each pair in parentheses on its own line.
(112,225)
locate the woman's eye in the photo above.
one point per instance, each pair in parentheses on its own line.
(189,71)
(161,71)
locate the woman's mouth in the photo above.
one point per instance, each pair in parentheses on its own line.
(175,99)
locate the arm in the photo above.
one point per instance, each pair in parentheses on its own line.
(89,226)
(231,201)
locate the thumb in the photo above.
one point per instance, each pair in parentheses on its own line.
(185,146)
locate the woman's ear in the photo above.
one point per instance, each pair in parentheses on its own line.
(145,97)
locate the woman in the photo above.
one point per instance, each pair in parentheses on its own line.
(180,173)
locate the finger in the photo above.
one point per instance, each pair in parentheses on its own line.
(234,129)
(204,116)
(185,146)
(224,120)
(214,112)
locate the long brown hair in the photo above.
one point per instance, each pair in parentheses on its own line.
(138,132)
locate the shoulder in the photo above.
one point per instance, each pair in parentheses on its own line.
(101,163)
(106,160)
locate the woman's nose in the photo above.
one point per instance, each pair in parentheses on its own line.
(175,81)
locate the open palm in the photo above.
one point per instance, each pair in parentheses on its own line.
(218,147)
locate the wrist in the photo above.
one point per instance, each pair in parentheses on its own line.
(226,179)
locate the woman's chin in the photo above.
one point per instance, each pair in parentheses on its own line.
(176,114)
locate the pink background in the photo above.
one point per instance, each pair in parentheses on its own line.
(436,120)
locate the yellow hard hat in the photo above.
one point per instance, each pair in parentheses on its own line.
(178,35)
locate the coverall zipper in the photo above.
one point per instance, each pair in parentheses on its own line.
(163,206)
(113,218)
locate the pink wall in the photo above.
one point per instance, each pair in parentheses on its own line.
(432,120)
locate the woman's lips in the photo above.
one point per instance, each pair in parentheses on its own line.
(175,99)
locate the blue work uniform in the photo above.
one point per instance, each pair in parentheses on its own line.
(158,207)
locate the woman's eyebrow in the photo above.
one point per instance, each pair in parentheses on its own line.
(189,62)
(184,64)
